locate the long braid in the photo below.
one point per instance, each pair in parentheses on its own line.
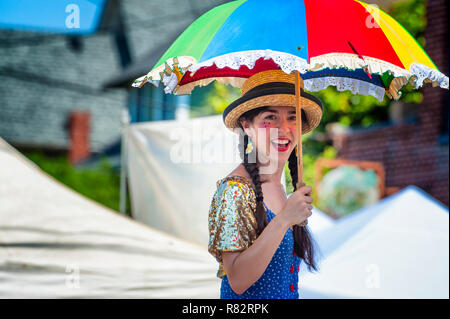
(292,164)
(303,245)
(253,170)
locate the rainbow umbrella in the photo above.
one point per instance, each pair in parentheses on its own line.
(347,44)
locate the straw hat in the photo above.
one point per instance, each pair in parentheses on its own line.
(273,88)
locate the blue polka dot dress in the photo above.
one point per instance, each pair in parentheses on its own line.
(279,280)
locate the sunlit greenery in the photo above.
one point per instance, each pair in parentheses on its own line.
(411,14)
(101,184)
(308,166)
(215,99)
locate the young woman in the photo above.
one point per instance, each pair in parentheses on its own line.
(254,228)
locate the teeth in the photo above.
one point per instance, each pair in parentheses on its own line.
(281,141)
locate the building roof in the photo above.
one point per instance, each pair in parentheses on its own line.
(141,66)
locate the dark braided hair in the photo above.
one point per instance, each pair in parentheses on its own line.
(303,243)
(253,170)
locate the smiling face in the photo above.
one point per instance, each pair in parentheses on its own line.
(273,132)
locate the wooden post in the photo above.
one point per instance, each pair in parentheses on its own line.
(298,87)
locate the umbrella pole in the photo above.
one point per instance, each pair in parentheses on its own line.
(298,87)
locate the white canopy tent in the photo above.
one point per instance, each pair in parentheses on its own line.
(398,248)
(173,168)
(56,243)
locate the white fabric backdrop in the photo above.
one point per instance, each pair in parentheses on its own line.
(173,168)
(55,243)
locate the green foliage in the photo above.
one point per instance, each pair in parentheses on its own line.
(351,110)
(101,184)
(411,14)
(222,96)
(217,99)
(309,159)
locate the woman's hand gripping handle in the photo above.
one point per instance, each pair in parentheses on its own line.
(298,206)
(300,185)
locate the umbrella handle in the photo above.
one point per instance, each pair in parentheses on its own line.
(298,87)
(305,222)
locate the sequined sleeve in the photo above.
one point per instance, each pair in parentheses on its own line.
(232,225)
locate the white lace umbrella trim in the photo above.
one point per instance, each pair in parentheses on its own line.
(287,62)
(343,84)
(417,75)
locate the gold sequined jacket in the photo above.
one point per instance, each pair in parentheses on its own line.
(232,224)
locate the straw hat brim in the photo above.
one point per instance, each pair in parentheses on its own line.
(311,111)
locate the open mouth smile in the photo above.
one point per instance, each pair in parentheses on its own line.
(281,144)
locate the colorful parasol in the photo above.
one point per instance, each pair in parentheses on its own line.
(347,44)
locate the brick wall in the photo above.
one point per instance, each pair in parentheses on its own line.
(413,153)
